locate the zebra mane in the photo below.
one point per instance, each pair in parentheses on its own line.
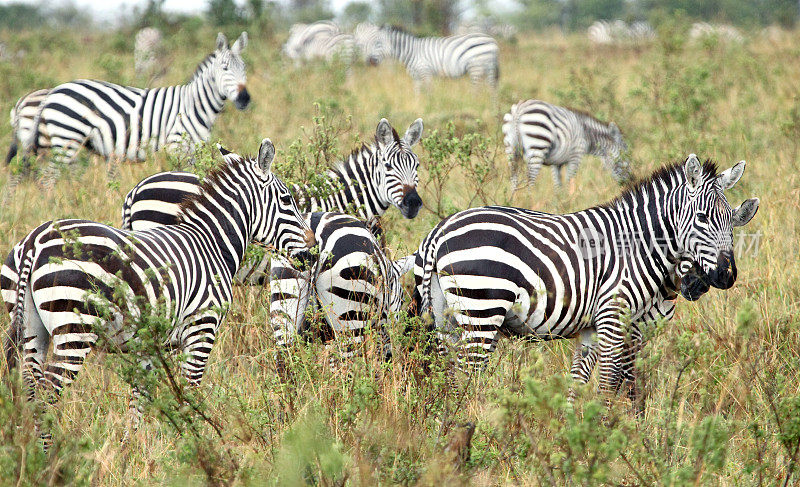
(209,182)
(341,164)
(666,174)
(587,115)
(201,67)
(398,29)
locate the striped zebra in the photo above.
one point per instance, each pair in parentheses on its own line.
(366,184)
(492,270)
(604,32)
(722,32)
(320,40)
(354,285)
(543,134)
(81,282)
(475,55)
(124,122)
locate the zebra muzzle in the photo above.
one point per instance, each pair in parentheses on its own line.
(242,99)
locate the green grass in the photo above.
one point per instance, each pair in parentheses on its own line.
(723,400)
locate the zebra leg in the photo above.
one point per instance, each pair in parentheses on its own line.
(290,291)
(556,176)
(199,337)
(572,167)
(629,376)
(584,359)
(135,406)
(535,163)
(612,345)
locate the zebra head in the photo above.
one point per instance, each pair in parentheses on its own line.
(229,70)
(707,220)
(275,219)
(397,167)
(373,42)
(399,268)
(615,151)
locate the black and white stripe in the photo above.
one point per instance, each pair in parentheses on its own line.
(606,32)
(81,281)
(120,122)
(366,184)
(487,271)
(475,55)
(320,40)
(353,284)
(540,133)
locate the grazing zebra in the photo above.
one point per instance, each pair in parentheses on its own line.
(492,270)
(82,281)
(320,40)
(426,57)
(488,26)
(543,134)
(606,32)
(146,52)
(123,122)
(354,285)
(726,33)
(371,180)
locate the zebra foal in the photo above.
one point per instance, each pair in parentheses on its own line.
(80,281)
(354,285)
(540,133)
(120,122)
(492,270)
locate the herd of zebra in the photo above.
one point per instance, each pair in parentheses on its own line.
(599,274)
(605,32)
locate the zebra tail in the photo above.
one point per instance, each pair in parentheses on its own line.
(13,344)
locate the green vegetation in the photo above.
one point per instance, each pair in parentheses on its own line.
(722,396)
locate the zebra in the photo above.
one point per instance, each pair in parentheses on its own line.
(540,133)
(125,122)
(366,184)
(426,57)
(354,284)
(491,270)
(606,32)
(320,40)
(81,281)
(146,53)
(723,32)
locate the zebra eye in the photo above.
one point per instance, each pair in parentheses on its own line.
(702,218)
(286,199)
(387,165)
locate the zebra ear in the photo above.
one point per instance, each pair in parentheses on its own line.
(414,132)
(731,176)
(384,133)
(694,172)
(223,150)
(240,44)
(266,153)
(222,41)
(403,264)
(745,212)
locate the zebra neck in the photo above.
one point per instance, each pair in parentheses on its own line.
(403,46)
(354,189)
(220,224)
(643,229)
(598,134)
(201,102)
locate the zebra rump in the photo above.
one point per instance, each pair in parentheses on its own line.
(354,285)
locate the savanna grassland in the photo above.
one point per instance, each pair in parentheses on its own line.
(722,395)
